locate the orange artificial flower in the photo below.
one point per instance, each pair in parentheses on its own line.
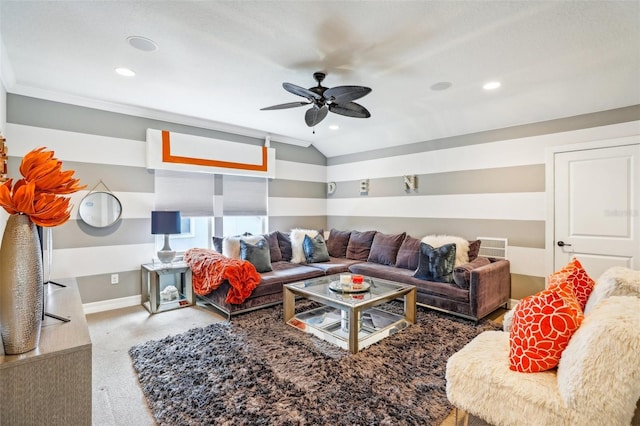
(38,193)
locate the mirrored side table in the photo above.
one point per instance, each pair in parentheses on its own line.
(166,286)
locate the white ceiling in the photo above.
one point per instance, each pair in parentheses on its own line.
(221,61)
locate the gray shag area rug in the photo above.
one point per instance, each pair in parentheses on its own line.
(256,370)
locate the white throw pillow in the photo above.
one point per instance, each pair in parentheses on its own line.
(231,245)
(615,281)
(297,237)
(462,246)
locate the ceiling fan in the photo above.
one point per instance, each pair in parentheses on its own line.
(337,99)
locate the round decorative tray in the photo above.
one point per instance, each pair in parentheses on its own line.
(338,288)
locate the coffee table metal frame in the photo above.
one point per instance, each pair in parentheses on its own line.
(381,291)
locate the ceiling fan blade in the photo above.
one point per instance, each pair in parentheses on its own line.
(315,115)
(350,109)
(301,91)
(283,106)
(344,94)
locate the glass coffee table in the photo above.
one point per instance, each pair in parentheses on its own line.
(332,321)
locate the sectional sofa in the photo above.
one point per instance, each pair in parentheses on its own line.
(478,285)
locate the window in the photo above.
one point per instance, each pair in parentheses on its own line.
(244,207)
(243,199)
(196,232)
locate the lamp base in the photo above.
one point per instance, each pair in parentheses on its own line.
(166,256)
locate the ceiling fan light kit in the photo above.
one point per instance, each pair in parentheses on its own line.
(323,100)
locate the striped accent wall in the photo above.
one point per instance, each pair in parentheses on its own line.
(107,146)
(484,185)
(490,184)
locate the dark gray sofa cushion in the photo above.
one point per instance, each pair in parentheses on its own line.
(384,248)
(360,245)
(285,246)
(408,253)
(462,273)
(274,246)
(338,242)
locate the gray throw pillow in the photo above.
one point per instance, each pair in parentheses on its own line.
(436,264)
(257,254)
(315,249)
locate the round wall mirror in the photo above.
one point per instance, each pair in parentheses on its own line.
(100,209)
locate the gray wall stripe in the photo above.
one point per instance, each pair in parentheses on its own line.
(585,121)
(297,189)
(484,181)
(521,233)
(116,178)
(96,288)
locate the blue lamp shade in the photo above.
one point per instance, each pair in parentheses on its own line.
(165,222)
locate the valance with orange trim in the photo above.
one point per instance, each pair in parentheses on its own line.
(176,151)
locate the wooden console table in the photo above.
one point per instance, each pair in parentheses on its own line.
(51,384)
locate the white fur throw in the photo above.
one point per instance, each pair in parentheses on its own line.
(462,246)
(231,245)
(615,281)
(297,237)
(599,372)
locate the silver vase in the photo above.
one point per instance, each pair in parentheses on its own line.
(21,286)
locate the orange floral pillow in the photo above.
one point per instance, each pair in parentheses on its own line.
(575,274)
(541,328)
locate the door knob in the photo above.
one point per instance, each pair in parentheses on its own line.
(562,244)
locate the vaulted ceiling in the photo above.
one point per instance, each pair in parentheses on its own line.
(219,62)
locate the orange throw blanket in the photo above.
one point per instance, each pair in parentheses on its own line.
(210,269)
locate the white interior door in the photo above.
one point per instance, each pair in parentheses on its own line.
(597,208)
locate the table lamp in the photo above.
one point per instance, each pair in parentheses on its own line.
(167,223)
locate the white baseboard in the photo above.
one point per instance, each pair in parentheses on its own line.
(513,302)
(108,305)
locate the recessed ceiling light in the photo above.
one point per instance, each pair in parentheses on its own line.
(442,85)
(334,127)
(492,85)
(126,72)
(142,43)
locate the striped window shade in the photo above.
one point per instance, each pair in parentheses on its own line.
(190,193)
(244,196)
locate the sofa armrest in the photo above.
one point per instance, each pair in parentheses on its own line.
(489,287)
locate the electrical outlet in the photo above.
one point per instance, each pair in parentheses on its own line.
(115,278)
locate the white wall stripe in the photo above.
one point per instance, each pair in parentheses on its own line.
(300,171)
(284,206)
(87,261)
(508,153)
(502,206)
(73,146)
